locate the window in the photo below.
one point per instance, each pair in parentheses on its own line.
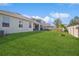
(5,22)
(20,24)
(30,25)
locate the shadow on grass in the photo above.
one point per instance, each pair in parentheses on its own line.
(15,36)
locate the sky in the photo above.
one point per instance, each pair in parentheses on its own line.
(45,11)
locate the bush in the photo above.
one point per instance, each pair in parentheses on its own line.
(63,34)
(65,30)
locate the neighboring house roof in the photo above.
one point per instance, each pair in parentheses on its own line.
(41,22)
(15,15)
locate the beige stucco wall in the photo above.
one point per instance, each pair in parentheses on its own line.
(73,30)
(14,25)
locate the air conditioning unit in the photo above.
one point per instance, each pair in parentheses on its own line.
(1,32)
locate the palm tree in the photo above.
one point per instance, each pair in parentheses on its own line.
(57,23)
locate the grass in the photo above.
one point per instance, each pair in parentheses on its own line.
(46,43)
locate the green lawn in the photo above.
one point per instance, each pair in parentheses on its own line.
(46,43)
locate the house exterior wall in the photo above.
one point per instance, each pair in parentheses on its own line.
(14,19)
(73,30)
(14,25)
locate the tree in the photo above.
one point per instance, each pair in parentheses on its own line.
(64,27)
(57,23)
(74,21)
(60,26)
(71,22)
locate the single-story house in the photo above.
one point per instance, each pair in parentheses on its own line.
(73,30)
(14,22)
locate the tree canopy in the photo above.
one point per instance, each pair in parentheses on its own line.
(57,22)
(74,21)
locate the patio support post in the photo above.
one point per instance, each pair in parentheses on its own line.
(39,27)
